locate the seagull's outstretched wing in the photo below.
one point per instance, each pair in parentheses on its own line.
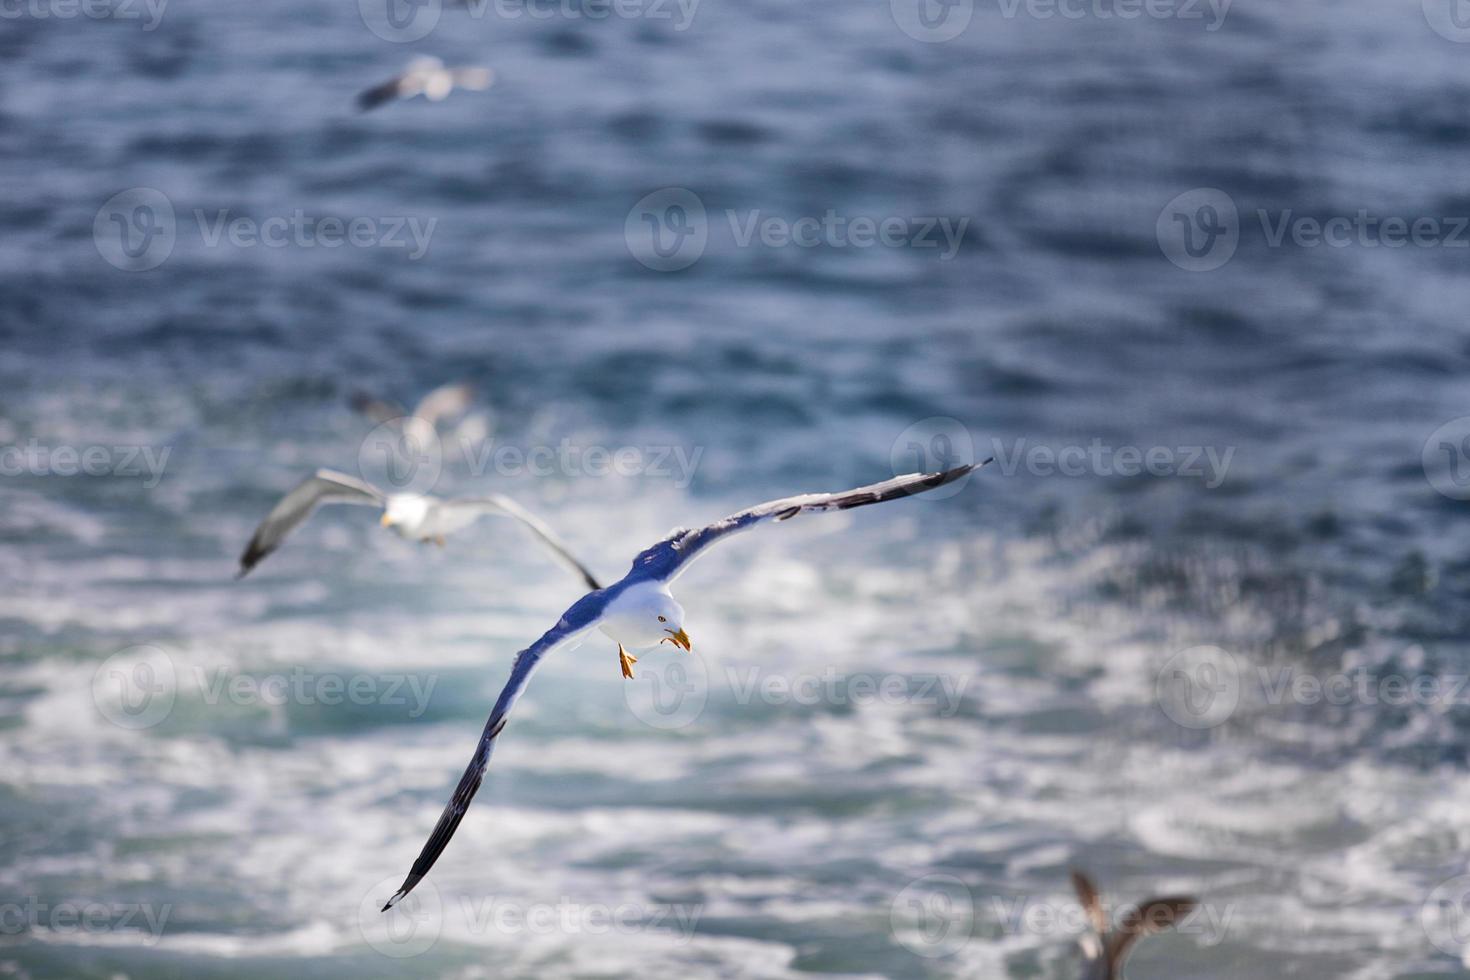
(667,560)
(444,403)
(393,88)
(323,486)
(577,620)
(380,410)
(500,504)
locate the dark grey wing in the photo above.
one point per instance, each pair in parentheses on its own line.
(379,94)
(501,504)
(323,486)
(581,617)
(377,409)
(1150,918)
(667,560)
(444,403)
(1091,901)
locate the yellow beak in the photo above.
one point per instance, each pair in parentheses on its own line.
(680,639)
(385,520)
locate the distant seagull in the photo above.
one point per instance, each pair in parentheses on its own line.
(436,410)
(1106,946)
(412,515)
(427,77)
(640,612)
(443,404)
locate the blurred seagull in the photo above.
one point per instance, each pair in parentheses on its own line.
(412,515)
(1106,947)
(443,404)
(420,428)
(639,611)
(427,77)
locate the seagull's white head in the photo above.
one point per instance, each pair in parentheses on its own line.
(645,617)
(405,513)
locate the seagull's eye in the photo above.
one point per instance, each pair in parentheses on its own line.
(662,620)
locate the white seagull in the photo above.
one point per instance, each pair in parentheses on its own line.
(412,515)
(443,404)
(638,611)
(427,77)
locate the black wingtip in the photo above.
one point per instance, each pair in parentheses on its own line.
(402,892)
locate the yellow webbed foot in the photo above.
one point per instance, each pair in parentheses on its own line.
(626,661)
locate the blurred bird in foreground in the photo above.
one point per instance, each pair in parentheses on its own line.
(427,77)
(1106,947)
(416,516)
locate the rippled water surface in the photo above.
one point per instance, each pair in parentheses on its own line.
(900,727)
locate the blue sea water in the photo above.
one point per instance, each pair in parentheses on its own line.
(900,727)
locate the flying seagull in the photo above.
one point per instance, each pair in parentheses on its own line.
(419,429)
(638,611)
(412,515)
(427,77)
(1106,946)
(443,404)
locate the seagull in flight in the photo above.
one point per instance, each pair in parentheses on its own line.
(412,515)
(427,77)
(639,611)
(443,404)
(418,431)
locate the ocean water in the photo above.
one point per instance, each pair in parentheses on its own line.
(1229,468)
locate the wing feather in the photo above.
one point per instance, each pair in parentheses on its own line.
(667,560)
(577,620)
(501,504)
(323,486)
(444,403)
